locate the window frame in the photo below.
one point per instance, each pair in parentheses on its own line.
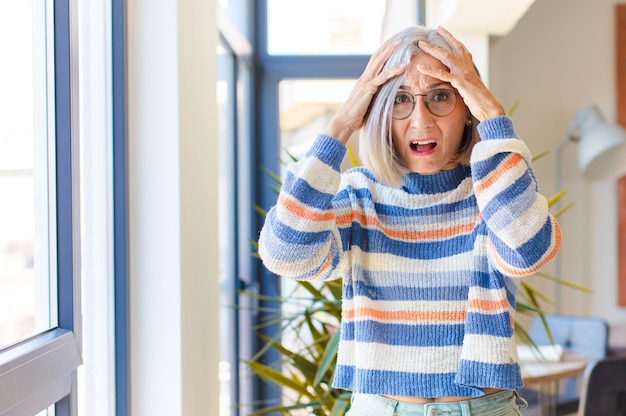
(40,371)
(238,314)
(120,207)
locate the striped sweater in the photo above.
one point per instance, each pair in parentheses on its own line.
(430,270)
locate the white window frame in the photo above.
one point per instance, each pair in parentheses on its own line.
(40,371)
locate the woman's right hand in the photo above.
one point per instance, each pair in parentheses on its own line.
(350,116)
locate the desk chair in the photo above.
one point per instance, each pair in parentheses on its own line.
(581,335)
(603,390)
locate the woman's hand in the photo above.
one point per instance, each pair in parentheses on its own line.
(350,116)
(462,75)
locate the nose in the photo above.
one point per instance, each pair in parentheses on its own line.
(421,117)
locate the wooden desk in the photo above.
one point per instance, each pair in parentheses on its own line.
(546,376)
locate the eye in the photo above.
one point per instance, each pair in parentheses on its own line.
(439,95)
(403,98)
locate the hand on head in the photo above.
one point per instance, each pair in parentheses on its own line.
(462,75)
(351,115)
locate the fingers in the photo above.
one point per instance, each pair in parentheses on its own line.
(351,114)
(457,68)
(452,41)
(380,57)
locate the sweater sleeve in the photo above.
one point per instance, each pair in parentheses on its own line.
(522,234)
(300,237)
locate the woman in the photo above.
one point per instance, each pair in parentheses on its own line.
(430,236)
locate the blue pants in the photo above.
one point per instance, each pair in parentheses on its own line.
(498,404)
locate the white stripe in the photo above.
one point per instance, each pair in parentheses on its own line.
(489,349)
(386,262)
(429,360)
(525,226)
(486,149)
(318,174)
(406,305)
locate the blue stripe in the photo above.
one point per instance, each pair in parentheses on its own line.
(487,280)
(296,186)
(498,325)
(485,167)
(503,376)
(328,150)
(402,334)
(399,383)
(436,291)
(289,235)
(529,253)
(515,200)
(375,241)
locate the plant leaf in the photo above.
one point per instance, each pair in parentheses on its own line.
(513,108)
(328,358)
(562,210)
(286,409)
(566,282)
(268,373)
(540,155)
(352,156)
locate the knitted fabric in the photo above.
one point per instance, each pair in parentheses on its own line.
(430,270)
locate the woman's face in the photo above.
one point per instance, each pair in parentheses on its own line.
(427,143)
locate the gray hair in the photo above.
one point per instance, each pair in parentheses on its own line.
(376,145)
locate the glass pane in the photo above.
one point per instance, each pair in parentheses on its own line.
(50,411)
(306,106)
(324,27)
(226,129)
(25,188)
(239,12)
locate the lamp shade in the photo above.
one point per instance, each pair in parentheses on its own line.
(601,147)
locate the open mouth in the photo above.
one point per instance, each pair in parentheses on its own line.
(423,146)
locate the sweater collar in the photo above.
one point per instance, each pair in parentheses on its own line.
(444,181)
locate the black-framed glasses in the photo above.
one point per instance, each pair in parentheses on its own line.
(440,102)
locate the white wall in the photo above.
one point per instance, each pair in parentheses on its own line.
(559,57)
(172,167)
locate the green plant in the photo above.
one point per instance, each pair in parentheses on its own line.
(307,365)
(308,360)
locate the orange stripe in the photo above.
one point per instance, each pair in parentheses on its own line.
(373,222)
(505,167)
(421,316)
(301,211)
(488,305)
(369,221)
(322,269)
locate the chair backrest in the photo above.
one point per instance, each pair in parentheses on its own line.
(582,335)
(604,388)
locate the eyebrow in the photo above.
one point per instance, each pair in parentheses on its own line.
(431,87)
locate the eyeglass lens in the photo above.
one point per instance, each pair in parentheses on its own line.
(440,102)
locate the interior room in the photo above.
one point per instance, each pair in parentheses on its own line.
(159,136)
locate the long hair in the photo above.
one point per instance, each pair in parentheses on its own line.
(376,145)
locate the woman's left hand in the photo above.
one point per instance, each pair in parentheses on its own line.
(462,75)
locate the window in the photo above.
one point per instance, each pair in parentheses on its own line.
(26,139)
(40,348)
(330,27)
